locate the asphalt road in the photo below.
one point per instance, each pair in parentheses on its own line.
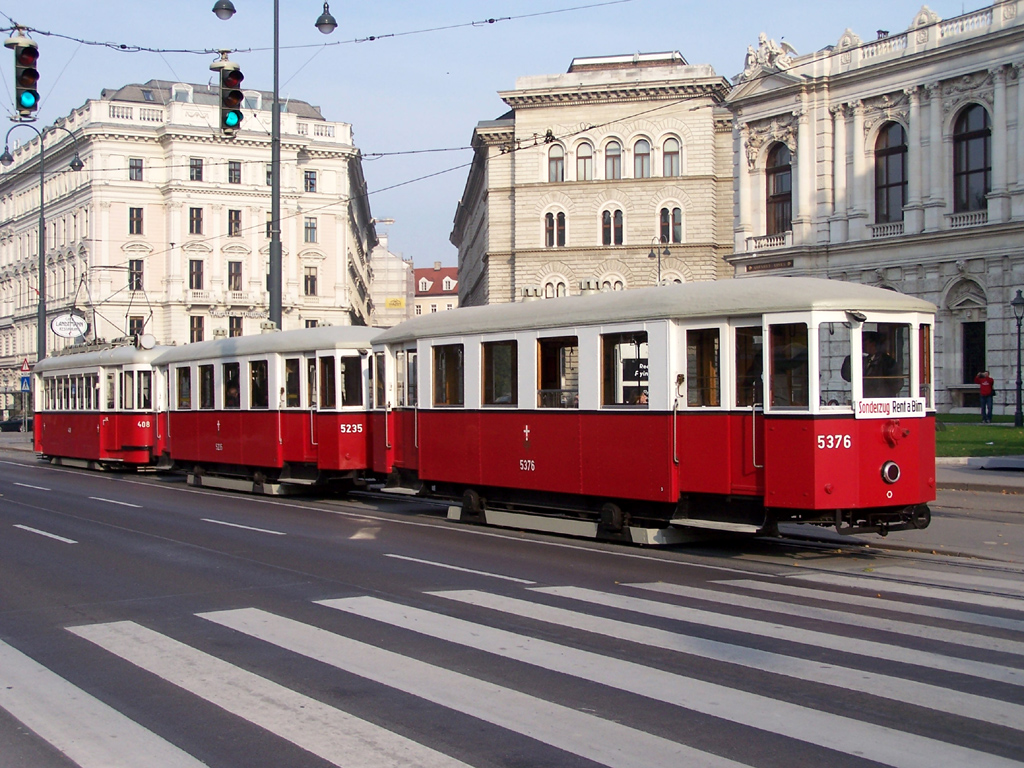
(145,623)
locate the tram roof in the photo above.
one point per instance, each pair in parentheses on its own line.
(300,340)
(126,354)
(719,298)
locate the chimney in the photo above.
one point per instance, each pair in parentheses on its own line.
(437,266)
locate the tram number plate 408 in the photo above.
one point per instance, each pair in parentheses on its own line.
(831,442)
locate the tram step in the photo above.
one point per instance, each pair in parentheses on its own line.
(716,525)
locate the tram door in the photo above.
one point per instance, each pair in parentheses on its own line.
(748,424)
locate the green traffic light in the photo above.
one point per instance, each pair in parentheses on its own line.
(28,99)
(232,119)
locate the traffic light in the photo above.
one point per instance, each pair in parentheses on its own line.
(230,99)
(26,76)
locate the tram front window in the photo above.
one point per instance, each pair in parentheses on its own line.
(833,350)
(885,360)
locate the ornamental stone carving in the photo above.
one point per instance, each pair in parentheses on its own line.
(889,107)
(781,128)
(767,58)
(976,87)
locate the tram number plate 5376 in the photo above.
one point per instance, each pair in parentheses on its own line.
(830,442)
(527,465)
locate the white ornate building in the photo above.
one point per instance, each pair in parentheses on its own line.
(896,162)
(589,171)
(165,230)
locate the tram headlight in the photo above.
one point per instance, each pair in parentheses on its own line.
(890,472)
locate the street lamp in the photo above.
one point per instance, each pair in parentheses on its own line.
(1018,312)
(7,159)
(225,9)
(657,253)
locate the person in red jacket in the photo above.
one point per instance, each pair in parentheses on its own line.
(986,389)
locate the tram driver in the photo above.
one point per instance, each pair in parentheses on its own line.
(881,372)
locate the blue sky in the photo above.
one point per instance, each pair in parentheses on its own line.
(414,91)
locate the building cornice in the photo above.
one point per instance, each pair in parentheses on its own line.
(715,89)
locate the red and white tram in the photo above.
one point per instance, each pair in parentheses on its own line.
(729,405)
(273,412)
(99,406)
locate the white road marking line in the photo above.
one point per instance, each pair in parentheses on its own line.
(893,688)
(82,727)
(878,603)
(913,590)
(44,533)
(33,487)
(964,581)
(844,734)
(601,741)
(905,628)
(244,527)
(459,568)
(867,648)
(112,501)
(326,732)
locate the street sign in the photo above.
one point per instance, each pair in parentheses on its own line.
(24,366)
(26,383)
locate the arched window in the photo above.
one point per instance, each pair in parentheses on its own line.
(972,165)
(890,174)
(642,159)
(613,160)
(671,225)
(554,230)
(584,162)
(556,163)
(779,199)
(670,156)
(554,288)
(611,228)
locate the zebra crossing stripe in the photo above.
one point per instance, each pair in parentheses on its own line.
(878,604)
(843,734)
(601,741)
(893,688)
(837,643)
(326,732)
(905,628)
(963,581)
(80,726)
(875,584)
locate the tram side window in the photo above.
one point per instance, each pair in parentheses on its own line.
(448,375)
(789,374)
(206,387)
(311,390)
(351,381)
(291,383)
(145,390)
(232,392)
(128,390)
(833,350)
(184,380)
(924,349)
(380,396)
(111,391)
(94,388)
(624,379)
(749,365)
(703,383)
(259,387)
(501,372)
(328,386)
(400,379)
(411,379)
(559,371)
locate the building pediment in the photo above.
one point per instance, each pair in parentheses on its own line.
(136,248)
(198,249)
(236,249)
(764,84)
(312,255)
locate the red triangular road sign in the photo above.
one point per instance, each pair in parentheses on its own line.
(24,366)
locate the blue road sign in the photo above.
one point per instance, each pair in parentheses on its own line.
(26,383)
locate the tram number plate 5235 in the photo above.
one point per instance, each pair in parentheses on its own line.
(829,442)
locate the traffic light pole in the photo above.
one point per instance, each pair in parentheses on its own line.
(275,287)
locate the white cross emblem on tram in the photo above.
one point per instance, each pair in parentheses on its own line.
(526,433)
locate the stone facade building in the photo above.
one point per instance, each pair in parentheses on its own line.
(896,162)
(597,179)
(165,230)
(437,289)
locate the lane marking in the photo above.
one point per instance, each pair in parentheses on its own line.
(113,501)
(243,527)
(89,732)
(33,487)
(960,581)
(877,584)
(848,678)
(329,733)
(44,533)
(602,741)
(759,628)
(864,740)
(459,568)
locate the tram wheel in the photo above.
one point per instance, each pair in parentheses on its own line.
(472,504)
(611,518)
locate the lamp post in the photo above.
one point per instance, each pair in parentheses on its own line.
(1018,312)
(7,159)
(326,23)
(657,253)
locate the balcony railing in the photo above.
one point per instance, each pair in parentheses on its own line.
(968,219)
(892,229)
(768,242)
(200,297)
